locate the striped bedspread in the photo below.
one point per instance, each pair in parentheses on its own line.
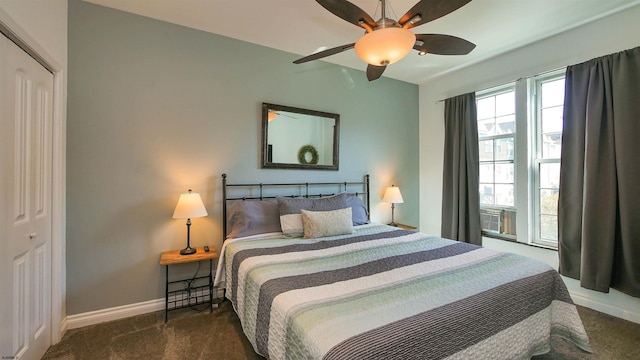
(385,293)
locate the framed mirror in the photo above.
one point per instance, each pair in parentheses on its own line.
(294,138)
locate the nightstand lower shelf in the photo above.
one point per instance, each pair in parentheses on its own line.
(189,292)
(184,293)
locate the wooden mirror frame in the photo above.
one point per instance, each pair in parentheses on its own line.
(266,107)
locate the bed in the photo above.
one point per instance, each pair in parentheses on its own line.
(307,285)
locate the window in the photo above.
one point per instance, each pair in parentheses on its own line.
(548,130)
(496,138)
(519,136)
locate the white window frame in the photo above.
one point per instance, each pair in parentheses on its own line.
(535,84)
(527,158)
(494,92)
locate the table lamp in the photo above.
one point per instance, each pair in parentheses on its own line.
(392,195)
(189,206)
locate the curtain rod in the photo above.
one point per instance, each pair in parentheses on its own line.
(512,81)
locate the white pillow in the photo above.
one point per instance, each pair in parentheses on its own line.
(291,225)
(326,223)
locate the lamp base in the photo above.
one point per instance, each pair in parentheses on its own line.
(393,224)
(187,251)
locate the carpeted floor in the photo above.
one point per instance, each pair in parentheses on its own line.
(217,335)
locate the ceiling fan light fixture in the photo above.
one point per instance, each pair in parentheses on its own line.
(385,46)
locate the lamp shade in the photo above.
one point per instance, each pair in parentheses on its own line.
(393,195)
(189,206)
(385,46)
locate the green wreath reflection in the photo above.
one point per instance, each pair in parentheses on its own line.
(302,155)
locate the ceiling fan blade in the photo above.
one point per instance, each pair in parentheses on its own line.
(442,44)
(325,53)
(429,10)
(374,72)
(349,12)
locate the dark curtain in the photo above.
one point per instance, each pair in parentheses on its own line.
(460,198)
(599,202)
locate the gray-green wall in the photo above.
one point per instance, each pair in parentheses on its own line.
(155,109)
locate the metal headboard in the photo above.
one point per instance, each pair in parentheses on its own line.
(304,189)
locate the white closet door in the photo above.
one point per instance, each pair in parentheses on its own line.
(26,95)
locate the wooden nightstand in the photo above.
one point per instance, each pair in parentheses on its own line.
(188,292)
(406,227)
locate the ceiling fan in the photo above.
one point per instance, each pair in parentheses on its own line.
(272,115)
(387,41)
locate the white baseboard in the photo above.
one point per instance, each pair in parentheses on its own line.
(118,312)
(64,326)
(626,314)
(114,313)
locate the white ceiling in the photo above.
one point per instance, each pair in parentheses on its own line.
(303,26)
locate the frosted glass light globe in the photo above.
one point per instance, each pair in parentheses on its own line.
(385,46)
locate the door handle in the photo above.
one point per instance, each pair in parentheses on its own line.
(32,235)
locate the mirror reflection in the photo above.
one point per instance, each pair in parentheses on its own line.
(295,138)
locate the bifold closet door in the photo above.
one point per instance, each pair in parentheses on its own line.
(26,96)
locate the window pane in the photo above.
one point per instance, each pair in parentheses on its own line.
(503,173)
(496,118)
(505,103)
(486,108)
(551,145)
(552,119)
(553,93)
(549,202)
(504,195)
(549,227)
(506,124)
(486,150)
(504,149)
(486,127)
(550,176)
(486,194)
(548,151)
(486,173)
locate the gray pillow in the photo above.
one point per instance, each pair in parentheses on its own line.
(290,218)
(358,210)
(247,218)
